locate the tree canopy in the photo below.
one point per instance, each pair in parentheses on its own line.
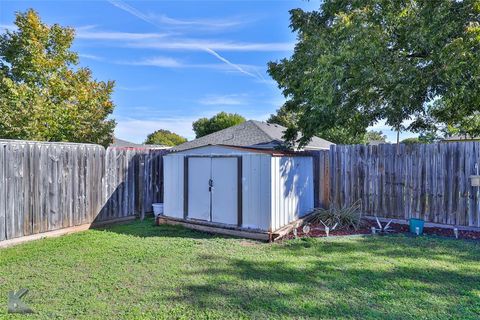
(44,94)
(358,62)
(289,117)
(284,117)
(374,136)
(411,141)
(339,134)
(220,121)
(165,137)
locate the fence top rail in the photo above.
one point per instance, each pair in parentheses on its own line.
(410,145)
(139,148)
(51,143)
(4,142)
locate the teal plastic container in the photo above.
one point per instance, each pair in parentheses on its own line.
(414,223)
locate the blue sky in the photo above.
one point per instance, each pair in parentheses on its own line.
(176,61)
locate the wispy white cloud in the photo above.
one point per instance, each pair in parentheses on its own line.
(92,34)
(159,61)
(135,88)
(198,45)
(86,27)
(142,16)
(250,103)
(208,23)
(90,56)
(161,20)
(168,62)
(231,64)
(223,100)
(168,40)
(268,82)
(125,7)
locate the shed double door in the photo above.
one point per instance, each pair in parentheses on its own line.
(212,189)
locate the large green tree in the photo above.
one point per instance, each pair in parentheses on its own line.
(375,136)
(44,94)
(221,120)
(165,137)
(357,62)
(288,117)
(467,127)
(284,117)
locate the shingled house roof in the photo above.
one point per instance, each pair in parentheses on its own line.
(123,143)
(119,143)
(253,134)
(461,138)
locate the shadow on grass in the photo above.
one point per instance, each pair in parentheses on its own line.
(148,228)
(339,283)
(392,247)
(394,277)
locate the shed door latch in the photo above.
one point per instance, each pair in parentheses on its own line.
(210,185)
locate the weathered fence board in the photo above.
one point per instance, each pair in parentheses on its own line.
(428,181)
(3,192)
(50,186)
(321,178)
(37,186)
(132,181)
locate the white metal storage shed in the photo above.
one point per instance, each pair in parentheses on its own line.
(238,188)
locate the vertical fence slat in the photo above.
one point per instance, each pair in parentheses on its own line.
(10,190)
(477,191)
(3,191)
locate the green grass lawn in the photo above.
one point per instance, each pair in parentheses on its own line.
(141,271)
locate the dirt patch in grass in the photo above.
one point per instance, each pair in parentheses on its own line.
(246,243)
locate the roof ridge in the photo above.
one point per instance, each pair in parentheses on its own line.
(263,131)
(249,133)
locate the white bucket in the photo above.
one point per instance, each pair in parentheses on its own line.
(157,209)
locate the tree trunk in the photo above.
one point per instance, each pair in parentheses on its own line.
(398,140)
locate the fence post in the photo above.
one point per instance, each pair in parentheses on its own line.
(3,192)
(141,186)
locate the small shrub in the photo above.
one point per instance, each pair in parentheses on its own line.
(345,218)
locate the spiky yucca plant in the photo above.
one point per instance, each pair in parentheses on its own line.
(345,217)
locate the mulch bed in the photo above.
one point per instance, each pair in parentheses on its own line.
(317,231)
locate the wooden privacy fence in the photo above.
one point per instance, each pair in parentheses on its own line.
(133,180)
(50,186)
(428,181)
